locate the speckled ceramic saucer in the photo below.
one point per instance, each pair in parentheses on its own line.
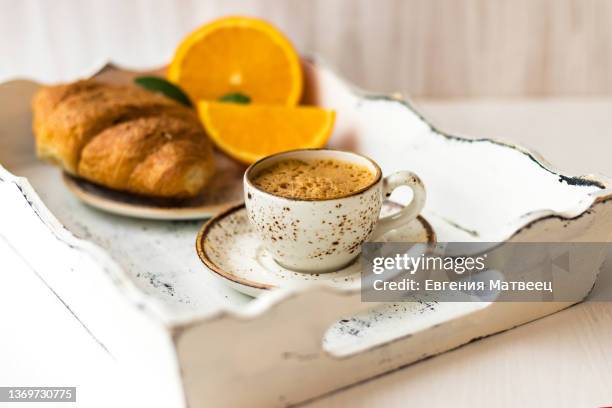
(230,248)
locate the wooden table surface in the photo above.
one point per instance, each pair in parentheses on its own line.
(438,48)
(564,360)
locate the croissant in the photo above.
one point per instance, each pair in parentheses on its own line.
(123,137)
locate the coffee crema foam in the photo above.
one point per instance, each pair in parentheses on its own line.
(317,179)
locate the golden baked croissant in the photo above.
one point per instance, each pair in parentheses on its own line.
(123,137)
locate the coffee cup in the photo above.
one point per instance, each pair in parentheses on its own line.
(311,224)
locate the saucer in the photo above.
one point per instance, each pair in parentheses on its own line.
(230,248)
(224,189)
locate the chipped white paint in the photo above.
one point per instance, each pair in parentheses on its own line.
(139,289)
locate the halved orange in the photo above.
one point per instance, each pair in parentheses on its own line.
(249,132)
(238,55)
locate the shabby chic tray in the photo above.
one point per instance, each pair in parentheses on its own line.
(139,289)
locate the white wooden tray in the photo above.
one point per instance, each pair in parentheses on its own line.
(138,288)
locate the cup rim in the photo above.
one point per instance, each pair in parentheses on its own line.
(377,177)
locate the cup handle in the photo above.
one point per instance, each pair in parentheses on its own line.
(409,212)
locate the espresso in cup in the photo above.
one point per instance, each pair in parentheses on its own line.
(313,208)
(314,179)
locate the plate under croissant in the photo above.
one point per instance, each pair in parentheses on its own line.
(225,189)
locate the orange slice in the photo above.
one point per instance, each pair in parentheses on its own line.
(250,132)
(238,55)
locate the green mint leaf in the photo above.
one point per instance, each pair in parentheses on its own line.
(165,87)
(235,98)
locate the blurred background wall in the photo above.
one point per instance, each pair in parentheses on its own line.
(431,48)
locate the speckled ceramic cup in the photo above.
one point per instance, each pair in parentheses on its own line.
(323,235)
